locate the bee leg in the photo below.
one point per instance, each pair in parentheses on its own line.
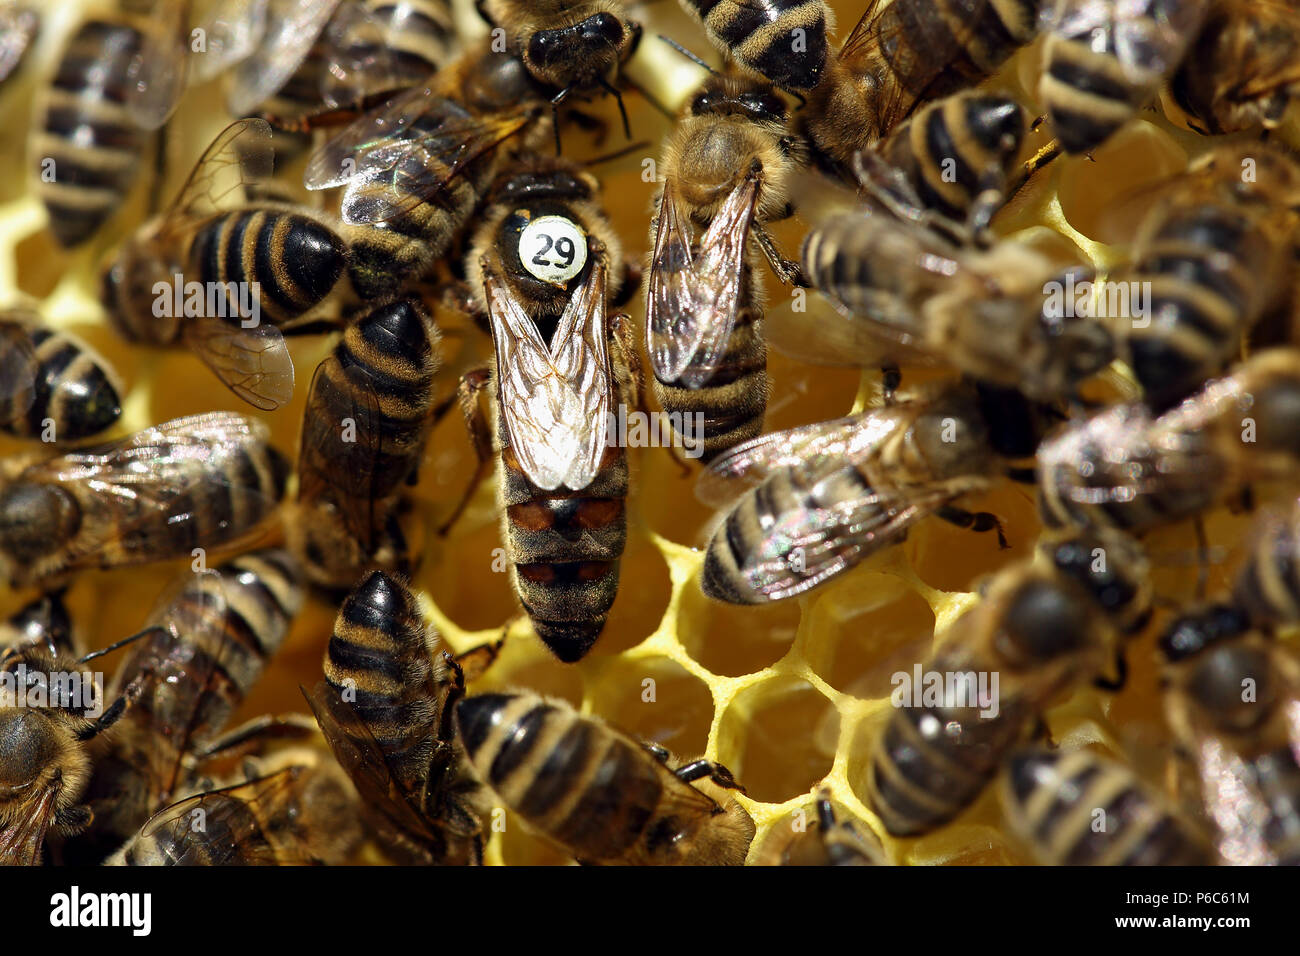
(1117,682)
(266,727)
(472,384)
(1043,732)
(825,811)
(478,659)
(787,270)
(893,380)
(974,521)
(1032,165)
(659,751)
(699,769)
(73,820)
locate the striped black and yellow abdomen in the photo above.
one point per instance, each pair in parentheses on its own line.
(53,384)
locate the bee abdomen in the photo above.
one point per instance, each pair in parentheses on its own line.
(377,660)
(295,260)
(69,386)
(418,35)
(762,37)
(569,777)
(729,408)
(87,132)
(1078,809)
(1268,588)
(921,776)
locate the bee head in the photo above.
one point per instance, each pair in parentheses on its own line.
(582,54)
(732,96)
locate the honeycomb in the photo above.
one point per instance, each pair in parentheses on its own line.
(790,696)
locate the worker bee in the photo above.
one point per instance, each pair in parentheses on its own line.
(54,386)
(416,167)
(1241,70)
(1106,59)
(203,649)
(831,841)
(385,709)
(783,41)
(602,796)
(224,280)
(1231,698)
(902,54)
(367,419)
(562,480)
(44,754)
(987,310)
(571,46)
(204,481)
(43,622)
(338,52)
(821,498)
(1042,627)
(1215,252)
(1126,468)
(1267,588)
(292,809)
(19,24)
(727,171)
(1077,808)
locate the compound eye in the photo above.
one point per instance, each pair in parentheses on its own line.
(762,104)
(543,47)
(603,27)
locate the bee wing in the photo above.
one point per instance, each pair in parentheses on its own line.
(292,27)
(217,827)
(1233,801)
(159,73)
(322,475)
(555,402)
(806,546)
(359,754)
(1149,37)
(239,158)
(694,297)
(171,470)
(21,841)
(18,367)
(414,165)
(359,57)
(678,801)
(254,363)
(233,29)
(824,334)
(839,441)
(18,26)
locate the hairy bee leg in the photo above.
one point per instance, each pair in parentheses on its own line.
(475,661)
(699,769)
(787,270)
(472,384)
(658,751)
(72,820)
(979,521)
(1033,164)
(266,727)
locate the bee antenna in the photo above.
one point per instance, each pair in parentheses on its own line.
(688,54)
(618,153)
(622,109)
(122,643)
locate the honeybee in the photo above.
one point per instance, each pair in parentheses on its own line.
(1126,468)
(292,809)
(385,709)
(19,24)
(45,760)
(984,309)
(1052,799)
(1106,59)
(204,648)
(1231,699)
(1216,251)
(783,41)
(1241,71)
(416,167)
(337,52)
(823,497)
(727,171)
(203,481)
(904,54)
(52,385)
(570,46)
(1267,588)
(602,796)
(830,842)
(44,622)
(232,306)
(1043,626)
(367,420)
(562,480)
